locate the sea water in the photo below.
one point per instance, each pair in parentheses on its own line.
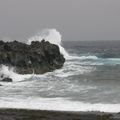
(88,81)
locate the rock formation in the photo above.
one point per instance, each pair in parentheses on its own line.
(6,80)
(39,57)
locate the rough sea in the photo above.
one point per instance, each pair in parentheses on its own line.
(88,81)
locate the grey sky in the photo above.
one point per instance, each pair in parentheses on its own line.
(75,19)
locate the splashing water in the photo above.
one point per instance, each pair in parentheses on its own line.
(10,72)
(52,36)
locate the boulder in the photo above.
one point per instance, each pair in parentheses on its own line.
(39,57)
(6,80)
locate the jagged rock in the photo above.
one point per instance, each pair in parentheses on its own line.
(39,57)
(6,80)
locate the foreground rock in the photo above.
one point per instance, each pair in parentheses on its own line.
(39,57)
(6,80)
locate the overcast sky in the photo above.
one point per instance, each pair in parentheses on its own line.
(75,19)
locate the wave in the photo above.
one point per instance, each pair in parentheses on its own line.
(113,59)
(70,68)
(51,35)
(6,71)
(75,65)
(91,57)
(58,104)
(94,60)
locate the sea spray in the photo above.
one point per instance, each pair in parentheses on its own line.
(58,104)
(7,71)
(51,35)
(54,37)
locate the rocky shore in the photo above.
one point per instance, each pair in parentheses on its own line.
(38,57)
(20,114)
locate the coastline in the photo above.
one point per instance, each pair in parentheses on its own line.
(26,114)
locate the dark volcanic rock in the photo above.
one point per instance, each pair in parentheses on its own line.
(6,80)
(39,57)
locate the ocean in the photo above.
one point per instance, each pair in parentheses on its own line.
(88,81)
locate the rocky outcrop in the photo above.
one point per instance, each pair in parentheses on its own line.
(6,80)
(39,57)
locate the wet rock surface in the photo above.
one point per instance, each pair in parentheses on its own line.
(39,57)
(6,80)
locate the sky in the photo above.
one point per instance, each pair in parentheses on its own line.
(74,19)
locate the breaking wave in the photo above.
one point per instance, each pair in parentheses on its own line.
(6,71)
(51,35)
(58,104)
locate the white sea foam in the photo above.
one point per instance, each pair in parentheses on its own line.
(114,59)
(6,71)
(58,104)
(70,68)
(89,57)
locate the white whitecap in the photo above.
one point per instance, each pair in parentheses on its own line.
(7,71)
